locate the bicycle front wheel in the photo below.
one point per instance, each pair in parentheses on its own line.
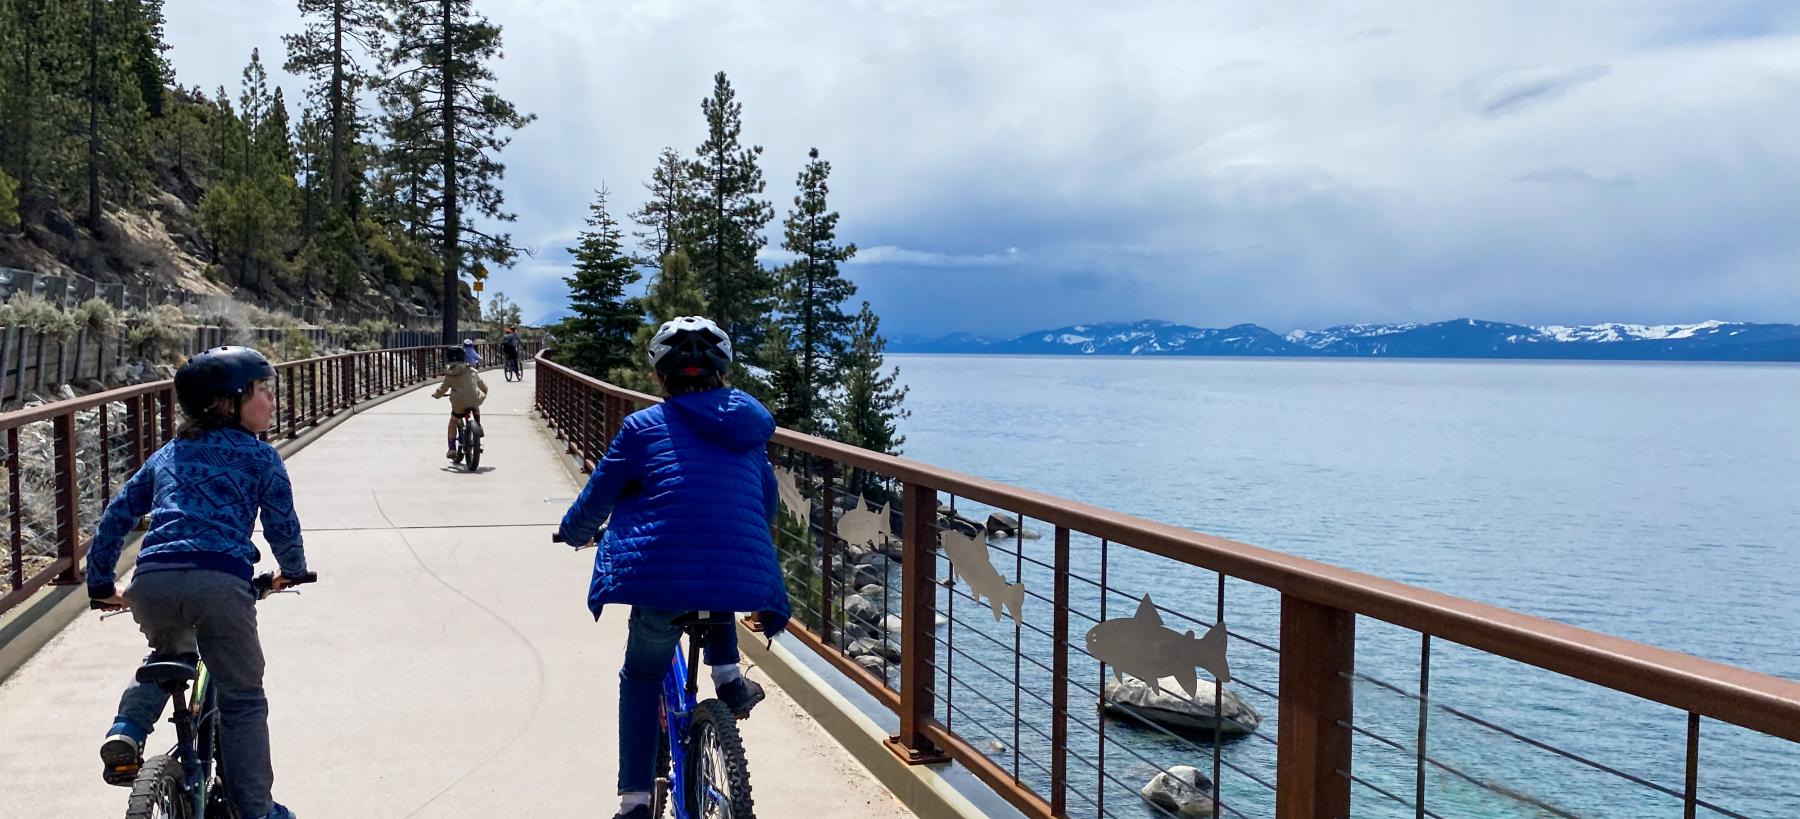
(718,776)
(159,792)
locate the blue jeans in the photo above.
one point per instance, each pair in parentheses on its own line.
(649,647)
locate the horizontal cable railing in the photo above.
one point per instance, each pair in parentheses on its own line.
(61,462)
(1029,694)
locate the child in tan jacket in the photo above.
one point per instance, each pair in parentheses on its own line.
(466,391)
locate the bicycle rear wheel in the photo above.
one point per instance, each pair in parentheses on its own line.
(718,776)
(159,792)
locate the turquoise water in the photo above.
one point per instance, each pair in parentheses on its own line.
(1658,502)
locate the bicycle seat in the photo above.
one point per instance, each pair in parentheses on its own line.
(166,672)
(695,619)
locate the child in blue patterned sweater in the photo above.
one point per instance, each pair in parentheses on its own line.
(191,590)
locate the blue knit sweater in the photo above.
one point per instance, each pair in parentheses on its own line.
(203,496)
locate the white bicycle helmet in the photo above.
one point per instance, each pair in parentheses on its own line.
(690,345)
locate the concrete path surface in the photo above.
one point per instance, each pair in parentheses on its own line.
(444,666)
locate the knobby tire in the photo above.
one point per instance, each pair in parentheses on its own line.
(714,725)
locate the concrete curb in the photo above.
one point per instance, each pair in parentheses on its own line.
(35,623)
(921,788)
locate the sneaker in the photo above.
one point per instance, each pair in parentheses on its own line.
(120,757)
(638,812)
(741,695)
(450,453)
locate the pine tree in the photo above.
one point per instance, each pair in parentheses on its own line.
(723,231)
(251,211)
(672,194)
(871,405)
(813,293)
(441,52)
(503,313)
(675,292)
(597,338)
(327,50)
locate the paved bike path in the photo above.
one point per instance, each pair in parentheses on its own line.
(445,665)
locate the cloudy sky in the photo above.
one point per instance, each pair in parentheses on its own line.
(1007,166)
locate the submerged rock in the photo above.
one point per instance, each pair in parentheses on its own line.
(1132,699)
(1186,792)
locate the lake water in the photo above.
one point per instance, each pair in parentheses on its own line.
(1658,502)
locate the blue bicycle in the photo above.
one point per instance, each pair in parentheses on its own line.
(704,775)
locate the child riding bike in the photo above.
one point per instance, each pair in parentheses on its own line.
(690,493)
(192,588)
(471,356)
(466,391)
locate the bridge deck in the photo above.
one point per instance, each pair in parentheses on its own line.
(445,666)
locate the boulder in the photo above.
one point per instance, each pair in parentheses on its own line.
(872,664)
(870,575)
(999,523)
(859,608)
(1181,790)
(1177,712)
(872,592)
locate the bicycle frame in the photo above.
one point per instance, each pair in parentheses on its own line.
(678,707)
(196,735)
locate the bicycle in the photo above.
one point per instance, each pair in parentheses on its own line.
(187,782)
(704,775)
(515,371)
(468,441)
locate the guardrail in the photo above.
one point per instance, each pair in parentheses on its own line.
(1017,700)
(61,460)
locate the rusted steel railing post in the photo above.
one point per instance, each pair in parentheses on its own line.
(293,404)
(1318,651)
(827,545)
(134,421)
(1059,681)
(68,499)
(918,596)
(105,459)
(166,399)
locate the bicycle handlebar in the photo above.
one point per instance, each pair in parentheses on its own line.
(263,584)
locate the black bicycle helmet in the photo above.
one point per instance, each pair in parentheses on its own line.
(690,345)
(218,373)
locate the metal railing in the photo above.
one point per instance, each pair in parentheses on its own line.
(1019,700)
(62,460)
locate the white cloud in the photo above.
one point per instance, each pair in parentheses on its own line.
(1234,161)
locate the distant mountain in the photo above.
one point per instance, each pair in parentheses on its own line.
(552,317)
(1460,338)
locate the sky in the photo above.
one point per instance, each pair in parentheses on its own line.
(1010,166)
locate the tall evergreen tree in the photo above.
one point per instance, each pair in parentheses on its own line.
(672,194)
(675,292)
(327,50)
(724,228)
(442,52)
(250,213)
(597,337)
(814,291)
(871,405)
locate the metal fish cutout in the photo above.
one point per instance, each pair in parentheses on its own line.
(969,560)
(861,527)
(787,487)
(1140,645)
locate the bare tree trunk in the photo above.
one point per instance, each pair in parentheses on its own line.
(93,169)
(452,219)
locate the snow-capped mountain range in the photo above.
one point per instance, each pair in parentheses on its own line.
(1459,338)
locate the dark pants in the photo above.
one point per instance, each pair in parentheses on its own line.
(649,648)
(214,613)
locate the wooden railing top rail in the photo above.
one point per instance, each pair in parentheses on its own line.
(1754,700)
(45,412)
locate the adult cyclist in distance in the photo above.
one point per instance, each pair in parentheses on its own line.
(509,349)
(690,492)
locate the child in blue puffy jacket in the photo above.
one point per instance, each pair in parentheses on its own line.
(690,492)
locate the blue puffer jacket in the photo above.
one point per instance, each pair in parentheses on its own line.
(691,495)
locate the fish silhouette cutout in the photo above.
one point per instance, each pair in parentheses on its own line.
(1140,645)
(791,498)
(861,527)
(969,560)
